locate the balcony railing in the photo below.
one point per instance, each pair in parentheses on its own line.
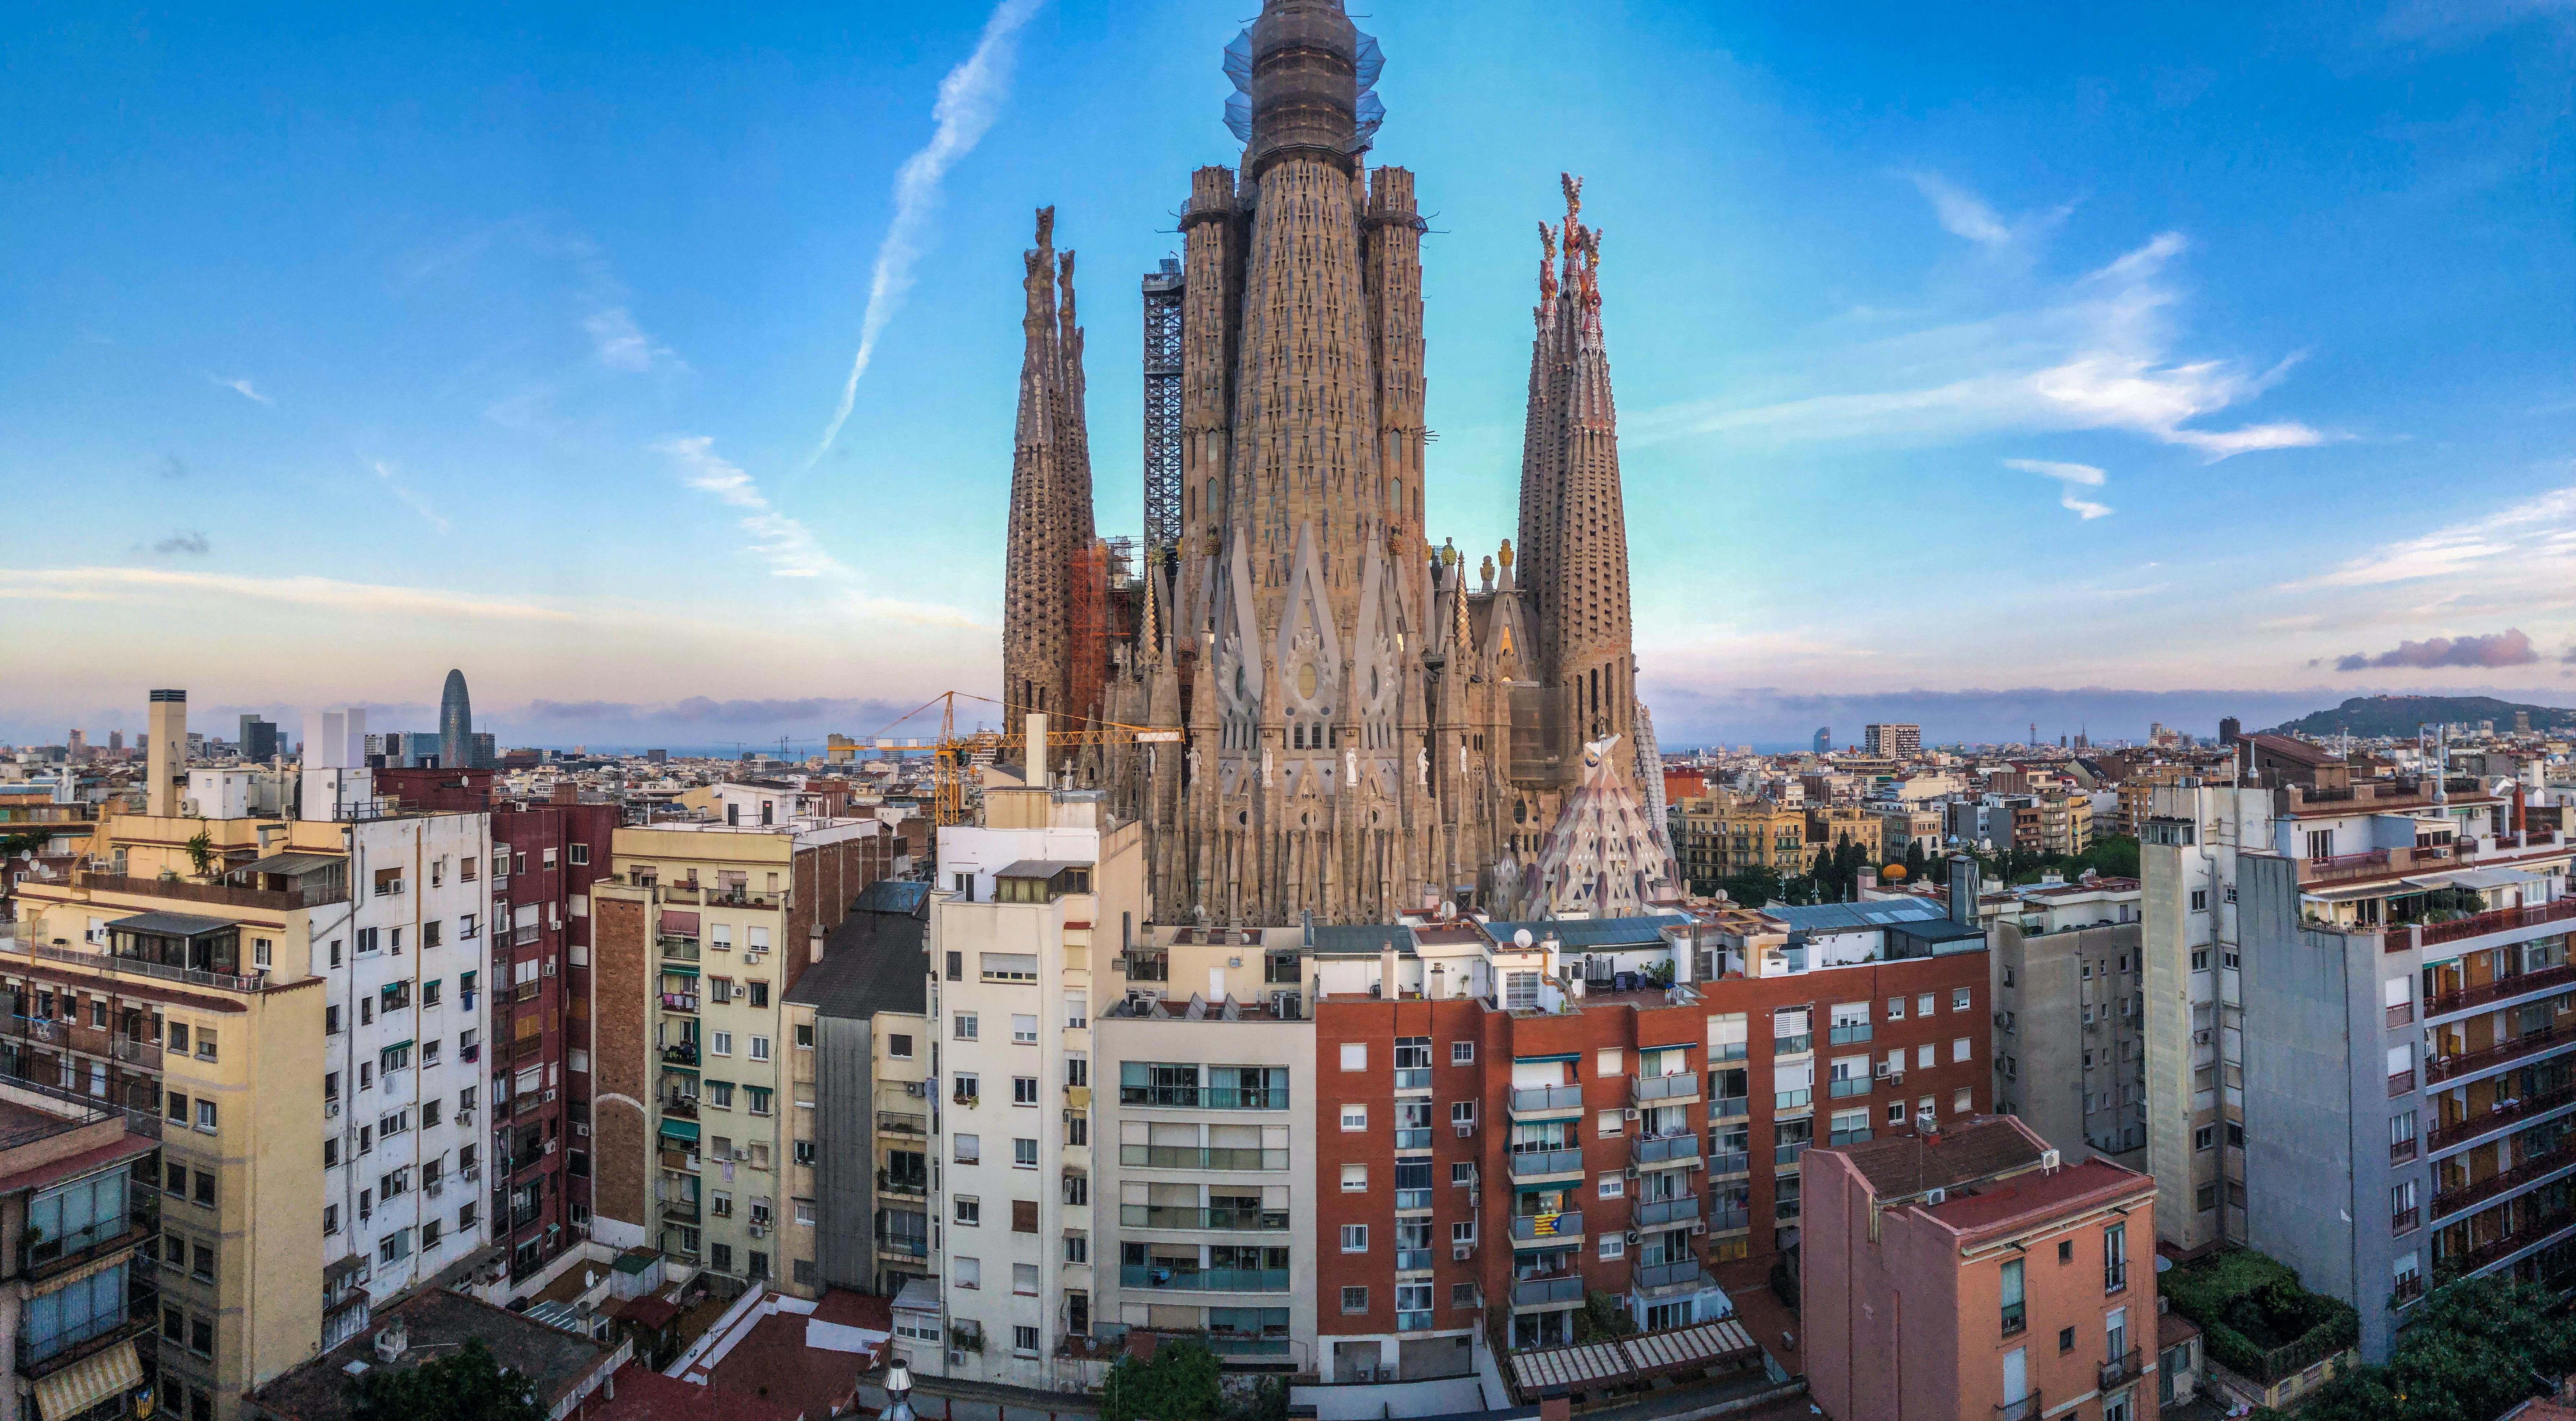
(1788,1153)
(2519,984)
(907,1245)
(681,1107)
(889,1182)
(1793,1045)
(42,1258)
(1648,1089)
(1196,1157)
(224,893)
(1419,1321)
(2512,1242)
(1173,1277)
(685,1055)
(1665,1275)
(1792,1100)
(1729,1107)
(2026,1409)
(679,1001)
(1848,1033)
(2502,1181)
(142,1308)
(1561,1226)
(1844,1087)
(1413,1139)
(2399,1082)
(1413,1260)
(2404,1220)
(2500,920)
(1728,1220)
(1730,1162)
(136,966)
(1655,1213)
(1413,1078)
(1539,1291)
(2530,1043)
(897,1122)
(1535,1163)
(1547,1097)
(1664,1149)
(1205,1097)
(1182,1216)
(2442,1137)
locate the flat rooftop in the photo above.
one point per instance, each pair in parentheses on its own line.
(437,1323)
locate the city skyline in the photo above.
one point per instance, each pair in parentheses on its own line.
(569,375)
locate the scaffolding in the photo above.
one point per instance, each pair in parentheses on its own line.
(1163,290)
(1099,580)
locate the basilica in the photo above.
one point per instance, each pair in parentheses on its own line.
(1368,725)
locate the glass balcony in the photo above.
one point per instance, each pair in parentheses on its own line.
(1645,1090)
(1536,1164)
(1195,1157)
(1413,1078)
(1549,1099)
(1181,1216)
(1654,1213)
(1413,1321)
(1848,1033)
(1539,1291)
(1666,1149)
(1173,1277)
(1413,1139)
(1547,1228)
(1412,1260)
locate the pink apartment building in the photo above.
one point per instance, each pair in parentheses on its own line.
(1964,1273)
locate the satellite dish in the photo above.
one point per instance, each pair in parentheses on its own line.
(1521,938)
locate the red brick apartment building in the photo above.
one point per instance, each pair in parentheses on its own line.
(1966,1274)
(1515,1115)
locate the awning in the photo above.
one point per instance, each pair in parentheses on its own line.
(679,924)
(681,1130)
(680,969)
(86,1383)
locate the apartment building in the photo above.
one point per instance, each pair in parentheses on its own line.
(2070,1016)
(1829,826)
(80,1238)
(1970,1273)
(546,858)
(1217,1168)
(1726,834)
(1903,825)
(298,1000)
(698,933)
(1030,905)
(2390,964)
(859,1071)
(1895,741)
(1516,1115)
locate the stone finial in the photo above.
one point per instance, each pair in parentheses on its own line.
(1573,196)
(1506,554)
(1064,279)
(1448,552)
(1487,572)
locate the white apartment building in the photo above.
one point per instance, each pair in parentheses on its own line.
(1028,906)
(404,971)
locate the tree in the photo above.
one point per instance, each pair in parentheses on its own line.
(201,854)
(1178,1383)
(467,1386)
(2113,856)
(1914,861)
(2473,1349)
(1602,1316)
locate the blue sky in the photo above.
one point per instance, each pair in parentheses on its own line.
(2103,358)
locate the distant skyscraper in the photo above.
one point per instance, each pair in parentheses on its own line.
(2229,727)
(480,752)
(1824,739)
(258,740)
(455,725)
(116,742)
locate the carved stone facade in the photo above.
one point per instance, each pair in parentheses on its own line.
(1365,732)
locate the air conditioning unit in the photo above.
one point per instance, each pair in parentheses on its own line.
(1882,1070)
(1463,1127)
(956,1359)
(758,1230)
(1628,1113)
(1632,1238)
(1698,1227)
(1462,1251)
(330,1110)
(580,1131)
(1936,1196)
(2049,1159)
(1628,1172)
(470,1173)
(465,1116)
(550,1145)
(550,1097)
(550,967)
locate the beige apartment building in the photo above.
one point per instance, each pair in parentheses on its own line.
(699,934)
(1829,825)
(1725,834)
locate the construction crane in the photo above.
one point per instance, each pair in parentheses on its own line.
(954,754)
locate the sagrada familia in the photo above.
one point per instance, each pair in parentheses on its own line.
(1366,726)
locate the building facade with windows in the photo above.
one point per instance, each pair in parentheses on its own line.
(80,1254)
(1536,1112)
(697,935)
(1970,1273)
(2070,1016)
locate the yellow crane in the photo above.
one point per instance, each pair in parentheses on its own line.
(952,754)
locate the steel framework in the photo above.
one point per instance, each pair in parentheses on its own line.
(1163,290)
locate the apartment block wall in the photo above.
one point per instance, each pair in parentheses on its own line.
(1872,1291)
(2040,1047)
(542,939)
(624,1065)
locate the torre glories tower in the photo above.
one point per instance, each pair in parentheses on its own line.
(1368,725)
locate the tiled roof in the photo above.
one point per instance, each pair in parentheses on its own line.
(1896,1166)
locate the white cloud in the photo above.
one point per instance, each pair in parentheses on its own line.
(148,584)
(242,387)
(620,345)
(2072,476)
(970,98)
(2098,352)
(785,544)
(1962,213)
(411,500)
(2529,544)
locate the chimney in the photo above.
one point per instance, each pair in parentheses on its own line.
(1037,751)
(1964,890)
(165,758)
(1386,969)
(566,792)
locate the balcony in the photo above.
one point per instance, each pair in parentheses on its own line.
(39,1259)
(1788,1153)
(679,949)
(1413,1260)
(1681,1274)
(1655,1213)
(1413,1139)
(685,1054)
(2399,1082)
(1180,1216)
(1668,1150)
(1413,1078)
(2405,1220)
(2458,1132)
(2026,1409)
(1783,1101)
(1848,1033)
(1535,1165)
(915,1185)
(1547,1229)
(2120,1370)
(1792,1045)
(1413,1321)
(680,1107)
(96,1335)
(2494,1249)
(1546,1100)
(1679,1089)
(1729,1107)
(898,1122)
(2520,984)
(1729,1220)
(1190,1097)
(2504,1181)
(679,1001)
(2533,1043)
(1845,1087)
(2500,920)
(1543,1292)
(1726,1162)
(1176,1277)
(1197,1157)
(680,1211)
(903,1245)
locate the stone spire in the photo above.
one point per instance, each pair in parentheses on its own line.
(1050,490)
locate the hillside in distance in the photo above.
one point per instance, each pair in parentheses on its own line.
(2371,716)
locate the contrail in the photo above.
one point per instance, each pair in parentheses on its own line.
(969,98)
